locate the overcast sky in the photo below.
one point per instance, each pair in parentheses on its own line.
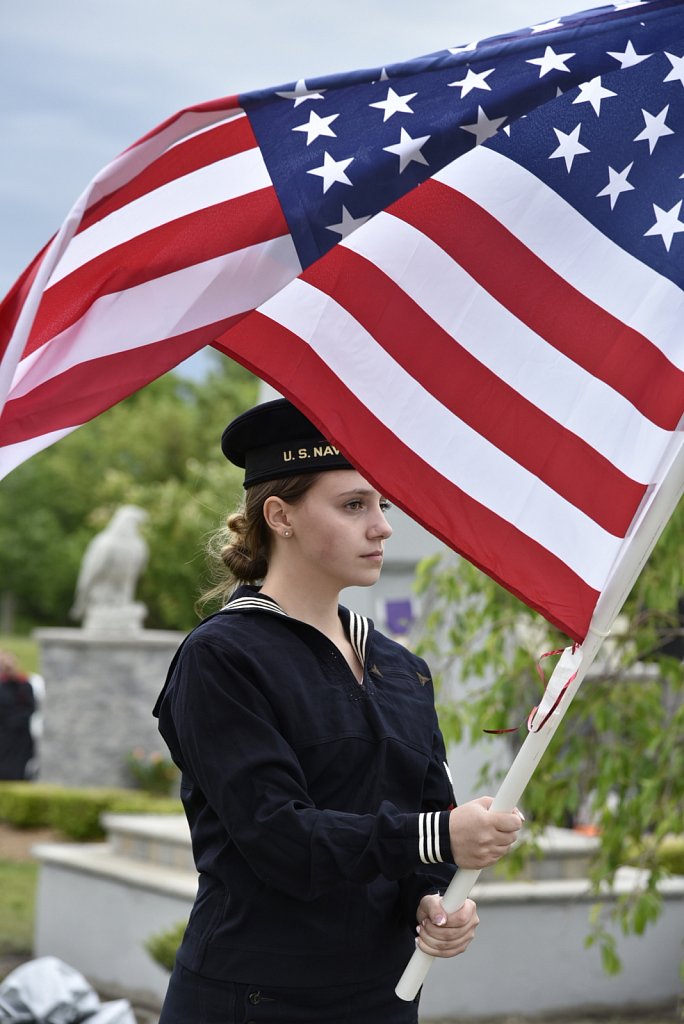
(80,80)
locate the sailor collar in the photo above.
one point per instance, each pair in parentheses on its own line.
(358,626)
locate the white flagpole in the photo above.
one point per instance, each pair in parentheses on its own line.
(645,531)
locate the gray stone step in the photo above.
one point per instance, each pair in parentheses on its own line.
(165,840)
(162,839)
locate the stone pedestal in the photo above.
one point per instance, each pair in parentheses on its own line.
(100,691)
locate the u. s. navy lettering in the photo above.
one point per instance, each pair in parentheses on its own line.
(319,451)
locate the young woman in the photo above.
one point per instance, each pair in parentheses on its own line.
(315,781)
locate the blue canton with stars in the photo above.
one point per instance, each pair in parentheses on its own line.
(615,151)
(592,104)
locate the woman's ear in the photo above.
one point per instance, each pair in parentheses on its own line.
(276,514)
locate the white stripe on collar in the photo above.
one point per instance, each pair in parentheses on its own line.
(264,604)
(359,627)
(358,635)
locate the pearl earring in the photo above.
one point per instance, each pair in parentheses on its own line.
(286,533)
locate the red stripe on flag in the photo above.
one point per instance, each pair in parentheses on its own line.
(11,306)
(531,572)
(539,297)
(226,103)
(475,394)
(87,389)
(195,238)
(219,143)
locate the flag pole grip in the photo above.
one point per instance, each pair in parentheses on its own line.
(463,881)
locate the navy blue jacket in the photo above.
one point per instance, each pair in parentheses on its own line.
(318,807)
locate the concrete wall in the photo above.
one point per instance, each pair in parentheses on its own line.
(99,695)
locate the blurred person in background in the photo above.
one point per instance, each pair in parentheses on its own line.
(18,705)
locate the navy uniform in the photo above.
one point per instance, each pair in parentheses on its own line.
(318,809)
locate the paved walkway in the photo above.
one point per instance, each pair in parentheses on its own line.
(670,1015)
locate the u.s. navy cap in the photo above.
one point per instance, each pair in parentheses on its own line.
(275,440)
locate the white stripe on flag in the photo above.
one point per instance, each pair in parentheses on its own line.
(468,313)
(139,156)
(608,275)
(216,183)
(163,307)
(12,455)
(438,437)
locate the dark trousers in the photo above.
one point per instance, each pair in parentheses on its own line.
(193,999)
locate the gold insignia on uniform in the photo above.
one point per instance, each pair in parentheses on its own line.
(422,679)
(375,671)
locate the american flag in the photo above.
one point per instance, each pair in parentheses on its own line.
(466,268)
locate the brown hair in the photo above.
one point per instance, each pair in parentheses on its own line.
(239,551)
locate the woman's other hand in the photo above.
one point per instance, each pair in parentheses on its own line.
(442,934)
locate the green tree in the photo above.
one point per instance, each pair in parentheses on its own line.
(158,449)
(618,756)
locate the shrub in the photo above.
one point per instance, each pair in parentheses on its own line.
(667,854)
(162,945)
(153,772)
(671,855)
(74,812)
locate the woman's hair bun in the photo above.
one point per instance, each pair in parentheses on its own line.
(241,565)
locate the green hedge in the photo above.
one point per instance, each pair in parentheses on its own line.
(74,812)
(162,946)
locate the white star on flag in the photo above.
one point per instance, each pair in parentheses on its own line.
(547,26)
(408,149)
(677,73)
(394,104)
(317,126)
(551,61)
(300,93)
(348,223)
(485,128)
(617,184)
(569,146)
(655,128)
(463,49)
(667,224)
(473,80)
(593,92)
(629,57)
(332,171)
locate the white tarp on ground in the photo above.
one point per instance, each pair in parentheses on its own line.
(48,991)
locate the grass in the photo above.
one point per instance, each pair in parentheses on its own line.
(17,904)
(25,650)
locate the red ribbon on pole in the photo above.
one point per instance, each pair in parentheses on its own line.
(530,717)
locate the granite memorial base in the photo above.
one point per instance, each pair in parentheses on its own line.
(100,691)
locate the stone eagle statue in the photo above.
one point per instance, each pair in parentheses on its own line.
(109,572)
